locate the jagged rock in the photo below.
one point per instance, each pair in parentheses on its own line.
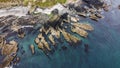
(51,39)
(67,38)
(55,33)
(40,36)
(73,38)
(42,39)
(15,28)
(40,45)
(58,34)
(82,14)
(37,40)
(54,16)
(83,26)
(2,41)
(93,17)
(99,15)
(21,33)
(74,19)
(9,51)
(96,3)
(46,45)
(79,31)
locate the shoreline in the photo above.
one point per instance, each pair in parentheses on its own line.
(53,26)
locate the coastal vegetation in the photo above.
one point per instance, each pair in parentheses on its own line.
(40,3)
(44,3)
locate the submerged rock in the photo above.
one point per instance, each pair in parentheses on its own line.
(64,48)
(32,48)
(86,48)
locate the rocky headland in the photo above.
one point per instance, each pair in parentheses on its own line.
(51,23)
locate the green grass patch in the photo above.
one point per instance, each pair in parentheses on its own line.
(39,3)
(48,3)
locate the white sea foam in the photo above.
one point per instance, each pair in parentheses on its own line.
(17,11)
(58,6)
(9,67)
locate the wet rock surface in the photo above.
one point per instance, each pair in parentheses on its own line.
(32,48)
(8,50)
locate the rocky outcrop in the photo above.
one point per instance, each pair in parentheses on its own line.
(54,32)
(68,37)
(79,31)
(51,38)
(65,34)
(9,51)
(2,41)
(21,33)
(43,44)
(60,20)
(84,26)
